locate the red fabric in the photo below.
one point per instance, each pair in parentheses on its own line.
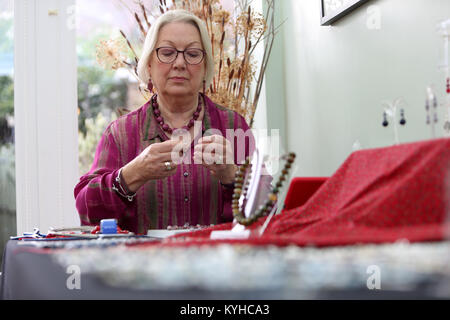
(376,196)
(301,189)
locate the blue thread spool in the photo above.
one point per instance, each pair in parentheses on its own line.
(108,226)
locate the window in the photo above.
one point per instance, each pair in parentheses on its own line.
(7,163)
(103,93)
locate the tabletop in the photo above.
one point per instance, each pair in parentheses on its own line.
(139,269)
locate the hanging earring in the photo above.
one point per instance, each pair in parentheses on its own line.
(204,87)
(150,85)
(427,108)
(402,115)
(385,122)
(435,105)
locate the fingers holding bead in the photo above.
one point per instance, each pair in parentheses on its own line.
(156,161)
(213,150)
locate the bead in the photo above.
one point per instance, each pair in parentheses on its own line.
(165,126)
(272,197)
(159,119)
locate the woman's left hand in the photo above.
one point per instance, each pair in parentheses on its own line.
(216,154)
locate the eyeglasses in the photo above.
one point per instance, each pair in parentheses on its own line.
(169,55)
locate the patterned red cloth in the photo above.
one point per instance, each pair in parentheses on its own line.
(376,196)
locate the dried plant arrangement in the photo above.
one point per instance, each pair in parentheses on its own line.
(238,79)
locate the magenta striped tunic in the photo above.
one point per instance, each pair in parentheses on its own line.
(190,196)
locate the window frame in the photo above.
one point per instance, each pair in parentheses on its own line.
(45,101)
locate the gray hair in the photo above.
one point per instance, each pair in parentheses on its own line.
(152,36)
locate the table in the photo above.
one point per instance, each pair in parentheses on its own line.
(143,271)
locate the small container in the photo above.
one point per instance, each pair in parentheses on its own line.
(108,226)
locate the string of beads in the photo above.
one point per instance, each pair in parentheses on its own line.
(241,188)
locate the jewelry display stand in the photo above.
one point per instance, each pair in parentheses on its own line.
(257,193)
(390,110)
(444,31)
(431,109)
(239,231)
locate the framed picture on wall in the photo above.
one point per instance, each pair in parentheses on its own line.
(333,10)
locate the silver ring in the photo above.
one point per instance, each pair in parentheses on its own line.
(168,166)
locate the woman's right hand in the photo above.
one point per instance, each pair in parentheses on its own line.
(150,164)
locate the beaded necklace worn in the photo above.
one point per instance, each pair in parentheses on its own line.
(165,126)
(241,188)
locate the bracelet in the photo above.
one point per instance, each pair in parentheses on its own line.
(124,191)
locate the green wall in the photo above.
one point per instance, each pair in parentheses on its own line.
(325,85)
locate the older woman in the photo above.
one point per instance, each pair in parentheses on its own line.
(135,177)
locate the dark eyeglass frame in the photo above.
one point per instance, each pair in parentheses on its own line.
(183,52)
